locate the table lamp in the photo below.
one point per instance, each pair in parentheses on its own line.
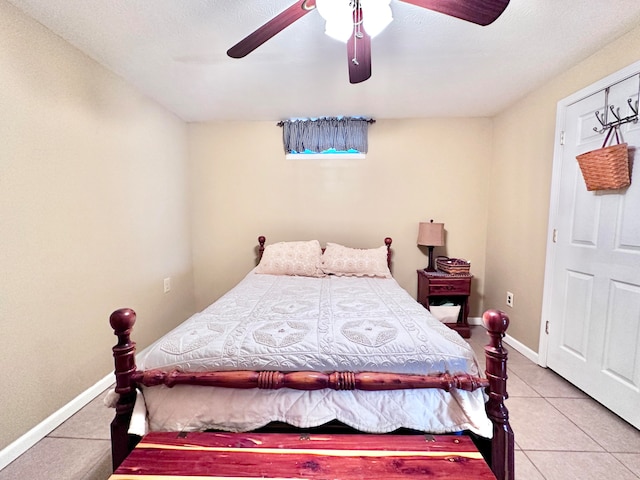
(431,235)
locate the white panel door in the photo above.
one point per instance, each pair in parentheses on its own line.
(594,309)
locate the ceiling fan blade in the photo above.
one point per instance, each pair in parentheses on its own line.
(359,51)
(271,28)
(481,12)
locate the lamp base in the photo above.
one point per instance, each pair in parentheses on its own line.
(430,267)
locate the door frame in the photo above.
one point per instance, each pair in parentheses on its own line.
(600,85)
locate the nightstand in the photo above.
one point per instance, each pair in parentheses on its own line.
(439,287)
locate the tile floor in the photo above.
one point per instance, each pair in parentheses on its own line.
(560,434)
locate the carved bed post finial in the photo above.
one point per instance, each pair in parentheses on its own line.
(261,241)
(387,242)
(122,322)
(502,459)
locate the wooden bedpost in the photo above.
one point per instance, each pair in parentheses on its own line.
(261,240)
(387,242)
(502,445)
(124,358)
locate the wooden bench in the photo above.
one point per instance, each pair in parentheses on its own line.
(170,455)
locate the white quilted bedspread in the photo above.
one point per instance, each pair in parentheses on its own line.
(289,323)
(286,323)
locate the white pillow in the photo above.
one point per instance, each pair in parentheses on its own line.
(291,258)
(355,262)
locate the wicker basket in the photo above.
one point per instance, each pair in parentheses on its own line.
(453,266)
(606,168)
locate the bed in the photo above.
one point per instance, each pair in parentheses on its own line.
(312,338)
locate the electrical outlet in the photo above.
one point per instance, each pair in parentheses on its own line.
(167,285)
(509,299)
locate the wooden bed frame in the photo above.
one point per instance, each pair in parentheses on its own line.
(499,454)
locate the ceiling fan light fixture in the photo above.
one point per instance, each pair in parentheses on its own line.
(338,15)
(376,15)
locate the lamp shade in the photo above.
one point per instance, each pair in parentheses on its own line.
(431,234)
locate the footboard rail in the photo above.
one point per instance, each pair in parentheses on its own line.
(496,322)
(309,380)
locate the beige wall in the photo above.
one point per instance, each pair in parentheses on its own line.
(415,170)
(520,187)
(93,215)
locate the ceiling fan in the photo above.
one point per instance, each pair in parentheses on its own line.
(358,15)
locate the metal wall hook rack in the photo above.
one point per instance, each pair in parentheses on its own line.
(618,120)
(603,119)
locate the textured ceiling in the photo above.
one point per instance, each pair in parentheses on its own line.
(424,64)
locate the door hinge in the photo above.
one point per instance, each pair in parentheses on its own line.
(554,238)
(562,137)
(546,327)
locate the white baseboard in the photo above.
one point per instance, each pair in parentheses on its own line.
(475,321)
(53,421)
(521,348)
(512,342)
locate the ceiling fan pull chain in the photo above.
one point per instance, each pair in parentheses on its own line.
(354,60)
(357,25)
